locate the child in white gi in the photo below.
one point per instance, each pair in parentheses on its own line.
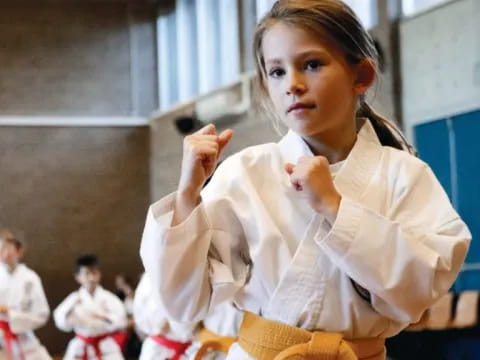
(334,229)
(169,340)
(219,332)
(93,313)
(164,340)
(23,305)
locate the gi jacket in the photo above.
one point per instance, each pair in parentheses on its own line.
(395,246)
(23,293)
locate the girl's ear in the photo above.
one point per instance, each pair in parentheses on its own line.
(365,76)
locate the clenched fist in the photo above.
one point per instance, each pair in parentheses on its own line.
(312,176)
(201,152)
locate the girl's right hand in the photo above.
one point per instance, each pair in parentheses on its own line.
(201,152)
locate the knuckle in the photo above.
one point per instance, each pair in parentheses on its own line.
(319,162)
(188,140)
(322,160)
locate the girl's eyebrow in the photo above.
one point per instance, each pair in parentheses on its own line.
(312,52)
(303,54)
(273,62)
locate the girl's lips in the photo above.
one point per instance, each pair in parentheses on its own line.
(297,107)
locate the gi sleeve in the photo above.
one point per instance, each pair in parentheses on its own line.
(406,258)
(35,310)
(199,263)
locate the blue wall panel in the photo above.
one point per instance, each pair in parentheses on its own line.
(467,280)
(436,147)
(466,128)
(432,143)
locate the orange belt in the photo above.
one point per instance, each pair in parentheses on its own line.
(93,341)
(10,338)
(178,347)
(213,342)
(268,340)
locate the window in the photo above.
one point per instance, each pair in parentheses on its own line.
(411,7)
(167,60)
(263,6)
(366,10)
(198,49)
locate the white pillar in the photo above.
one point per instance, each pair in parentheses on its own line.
(366,11)
(186,50)
(408,7)
(263,6)
(249,19)
(229,41)
(208,40)
(167,64)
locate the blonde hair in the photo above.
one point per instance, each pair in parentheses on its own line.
(9,237)
(335,21)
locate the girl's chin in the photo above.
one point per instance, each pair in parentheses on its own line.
(305,127)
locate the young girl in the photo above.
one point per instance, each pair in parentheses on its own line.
(23,305)
(330,240)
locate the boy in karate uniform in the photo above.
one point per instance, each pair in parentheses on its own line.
(23,305)
(93,313)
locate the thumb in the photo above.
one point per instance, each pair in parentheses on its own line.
(289,168)
(224,139)
(207,130)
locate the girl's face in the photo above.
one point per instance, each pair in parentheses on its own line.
(310,83)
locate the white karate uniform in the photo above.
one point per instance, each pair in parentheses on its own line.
(77,313)
(223,320)
(150,319)
(22,292)
(255,239)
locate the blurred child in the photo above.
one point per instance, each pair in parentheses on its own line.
(23,305)
(219,332)
(124,289)
(93,313)
(129,340)
(164,340)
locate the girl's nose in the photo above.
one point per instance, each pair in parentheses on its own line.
(296,88)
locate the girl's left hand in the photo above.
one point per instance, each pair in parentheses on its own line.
(312,176)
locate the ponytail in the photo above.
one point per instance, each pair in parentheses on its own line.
(387,132)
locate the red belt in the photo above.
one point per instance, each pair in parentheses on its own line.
(10,338)
(93,341)
(178,347)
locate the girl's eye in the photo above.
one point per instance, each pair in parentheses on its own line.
(313,65)
(276,73)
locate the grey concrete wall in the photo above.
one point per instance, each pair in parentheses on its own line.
(441,62)
(71,191)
